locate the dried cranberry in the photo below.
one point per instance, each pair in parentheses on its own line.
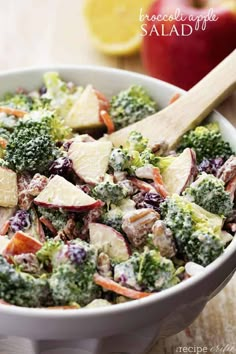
(62,166)
(66,145)
(85,188)
(20,221)
(42,90)
(148,200)
(92,216)
(211,166)
(76,254)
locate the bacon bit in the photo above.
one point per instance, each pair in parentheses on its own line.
(24,198)
(106,119)
(118,289)
(231,188)
(48,224)
(158,182)
(3,143)
(41,232)
(5,228)
(174,98)
(37,184)
(12,111)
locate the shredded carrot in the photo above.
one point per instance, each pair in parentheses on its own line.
(3,302)
(3,143)
(143,186)
(117,288)
(106,118)
(158,182)
(103,102)
(5,228)
(103,99)
(69,307)
(48,224)
(12,111)
(174,98)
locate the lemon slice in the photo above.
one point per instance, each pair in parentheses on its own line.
(114,25)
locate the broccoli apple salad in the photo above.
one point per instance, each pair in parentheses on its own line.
(83,223)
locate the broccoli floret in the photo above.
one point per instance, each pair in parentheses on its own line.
(147,157)
(52,123)
(23,101)
(163,162)
(146,271)
(30,147)
(59,94)
(207,142)
(113,218)
(74,266)
(58,218)
(135,154)
(196,231)
(4,136)
(136,142)
(48,250)
(130,106)
(208,192)
(4,133)
(22,289)
(204,247)
(119,159)
(109,192)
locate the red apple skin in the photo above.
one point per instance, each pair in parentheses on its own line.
(21,243)
(115,234)
(183,61)
(78,209)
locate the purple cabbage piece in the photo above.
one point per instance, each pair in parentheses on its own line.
(42,90)
(20,221)
(211,166)
(62,167)
(76,254)
(148,200)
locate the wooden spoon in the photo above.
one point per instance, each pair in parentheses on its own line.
(188,111)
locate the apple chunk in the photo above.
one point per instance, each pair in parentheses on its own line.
(4,241)
(59,193)
(21,243)
(90,160)
(85,112)
(109,241)
(8,188)
(181,172)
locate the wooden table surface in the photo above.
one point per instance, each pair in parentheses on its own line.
(52,32)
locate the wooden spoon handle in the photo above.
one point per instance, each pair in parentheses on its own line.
(189,110)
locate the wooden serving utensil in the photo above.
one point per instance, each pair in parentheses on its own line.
(188,111)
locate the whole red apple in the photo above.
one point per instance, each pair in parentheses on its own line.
(185,48)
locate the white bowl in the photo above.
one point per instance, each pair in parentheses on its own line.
(132,325)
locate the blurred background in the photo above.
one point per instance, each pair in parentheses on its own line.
(108,33)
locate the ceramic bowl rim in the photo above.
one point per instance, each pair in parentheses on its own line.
(132,305)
